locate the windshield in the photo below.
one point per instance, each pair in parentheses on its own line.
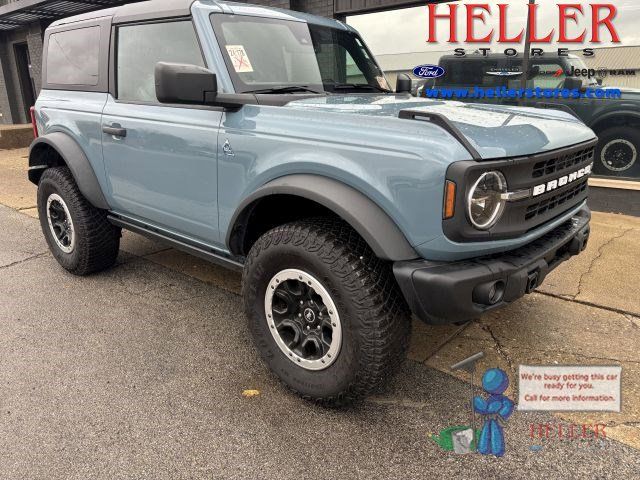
(264,54)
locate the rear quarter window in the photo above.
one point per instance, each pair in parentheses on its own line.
(73,57)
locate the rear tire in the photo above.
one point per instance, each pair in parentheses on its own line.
(352,300)
(618,152)
(79,235)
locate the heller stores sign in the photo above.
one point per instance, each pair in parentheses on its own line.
(577,24)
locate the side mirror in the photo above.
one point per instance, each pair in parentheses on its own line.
(403,83)
(599,81)
(181,83)
(572,83)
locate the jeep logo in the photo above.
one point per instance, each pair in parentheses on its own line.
(562,181)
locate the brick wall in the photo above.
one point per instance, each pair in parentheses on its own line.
(34,41)
(11,102)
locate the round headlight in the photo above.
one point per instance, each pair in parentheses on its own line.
(486,202)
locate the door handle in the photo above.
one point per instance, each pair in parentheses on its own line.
(115,130)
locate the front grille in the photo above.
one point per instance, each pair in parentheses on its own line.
(551,203)
(562,162)
(523,174)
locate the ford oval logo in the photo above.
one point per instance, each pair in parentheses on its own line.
(428,71)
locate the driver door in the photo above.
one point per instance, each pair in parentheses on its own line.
(161,160)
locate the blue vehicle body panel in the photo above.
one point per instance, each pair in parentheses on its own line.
(495,131)
(165,169)
(399,164)
(172,170)
(392,166)
(76,114)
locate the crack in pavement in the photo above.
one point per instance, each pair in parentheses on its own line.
(563,353)
(597,257)
(613,423)
(448,340)
(569,298)
(591,357)
(19,262)
(498,346)
(635,321)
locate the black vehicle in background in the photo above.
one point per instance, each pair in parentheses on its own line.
(616,121)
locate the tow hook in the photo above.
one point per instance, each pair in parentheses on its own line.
(532,281)
(579,242)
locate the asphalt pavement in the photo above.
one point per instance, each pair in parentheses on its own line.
(138,372)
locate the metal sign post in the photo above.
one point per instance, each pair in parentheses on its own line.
(469,365)
(526,59)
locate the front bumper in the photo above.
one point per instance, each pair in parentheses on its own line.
(447,292)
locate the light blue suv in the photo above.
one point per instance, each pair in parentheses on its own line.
(269,141)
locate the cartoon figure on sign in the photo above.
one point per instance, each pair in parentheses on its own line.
(496,408)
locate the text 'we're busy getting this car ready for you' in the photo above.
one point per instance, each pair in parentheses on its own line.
(269,141)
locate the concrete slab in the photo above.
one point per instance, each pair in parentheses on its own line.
(16,136)
(15,189)
(426,340)
(565,280)
(616,269)
(32,212)
(596,275)
(541,330)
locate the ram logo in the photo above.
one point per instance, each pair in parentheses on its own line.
(561,182)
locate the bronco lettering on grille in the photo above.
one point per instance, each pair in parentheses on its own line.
(562,181)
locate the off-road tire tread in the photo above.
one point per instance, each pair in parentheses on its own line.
(98,240)
(383,315)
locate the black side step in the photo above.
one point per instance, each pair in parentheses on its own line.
(443,122)
(199,250)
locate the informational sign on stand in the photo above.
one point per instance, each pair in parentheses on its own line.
(569,388)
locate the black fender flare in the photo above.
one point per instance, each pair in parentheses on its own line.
(74,157)
(615,114)
(366,217)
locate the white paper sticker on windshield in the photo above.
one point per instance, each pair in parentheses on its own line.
(382,82)
(239,58)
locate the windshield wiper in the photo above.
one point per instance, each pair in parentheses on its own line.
(358,86)
(287,89)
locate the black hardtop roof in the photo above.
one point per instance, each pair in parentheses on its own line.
(149,9)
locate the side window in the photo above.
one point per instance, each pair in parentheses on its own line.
(73,57)
(140,47)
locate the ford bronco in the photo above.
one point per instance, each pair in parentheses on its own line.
(269,141)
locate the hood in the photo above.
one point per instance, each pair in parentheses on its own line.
(495,131)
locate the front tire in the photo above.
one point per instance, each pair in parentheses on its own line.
(325,313)
(618,151)
(79,235)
